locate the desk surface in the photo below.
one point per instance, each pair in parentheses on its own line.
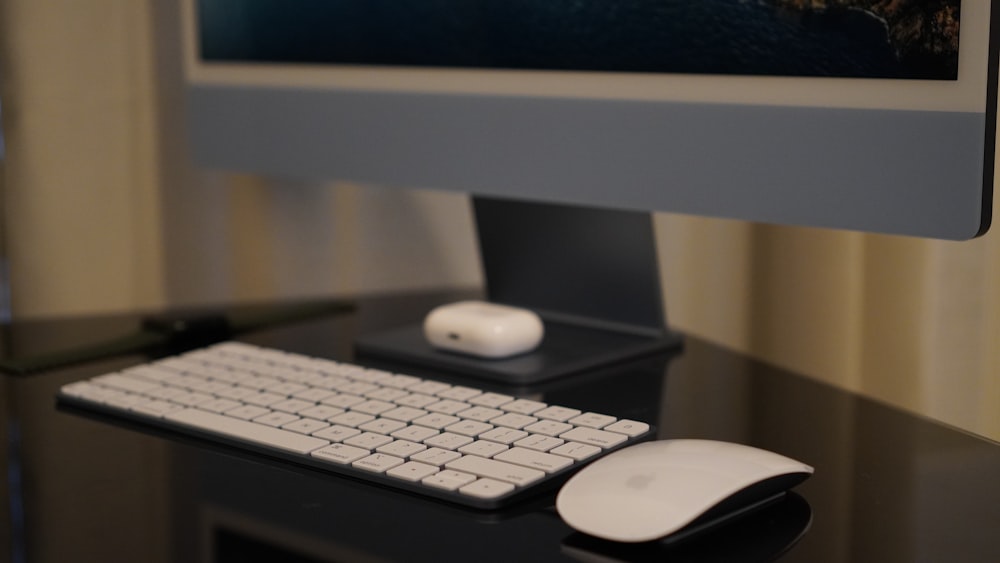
(888,486)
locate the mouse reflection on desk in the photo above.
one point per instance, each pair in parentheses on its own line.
(657,489)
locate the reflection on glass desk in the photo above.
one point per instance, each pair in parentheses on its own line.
(889,486)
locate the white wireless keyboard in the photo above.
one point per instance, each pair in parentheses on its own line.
(452,442)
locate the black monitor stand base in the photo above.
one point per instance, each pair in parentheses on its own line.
(566,350)
(591,274)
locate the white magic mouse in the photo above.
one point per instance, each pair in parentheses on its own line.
(654,489)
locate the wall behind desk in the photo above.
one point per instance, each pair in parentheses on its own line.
(105,212)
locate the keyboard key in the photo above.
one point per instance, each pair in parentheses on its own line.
(245,430)
(321,412)
(155,407)
(210,387)
(482,448)
(486,488)
(263,399)
(382,426)
(358,388)
(378,463)
(168,393)
(413,471)
(559,414)
(286,388)
(237,393)
(191,398)
(447,406)
(416,400)
(459,393)
(594,437)
(414,433)
(492,400)
(448,441)
(401,448)
(576,450)
(469,427)
(337,433)
(404,414)
(513,420)
(506,472)
(448,480)
(435,456)
(330,382)
(351,418)
(482,414)
(373,407)
(523,406)
(628,427)
(305,425)
(340,453)
(387,394)
(548,463)
(401,381)
(276,419)
(343,400)
(368,440)
(548,427)
(219,405)
(247,412)
(429,387)
(539,442)
(436,420)
(313,394)
(375,376)
(503,435)
(120,399)
(592,420)
(292,405)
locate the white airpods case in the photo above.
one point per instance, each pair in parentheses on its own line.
(482,329)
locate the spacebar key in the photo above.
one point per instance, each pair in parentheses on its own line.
(246,430)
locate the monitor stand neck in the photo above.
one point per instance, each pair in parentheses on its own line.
(591,274)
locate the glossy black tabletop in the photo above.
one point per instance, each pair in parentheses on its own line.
(889,486)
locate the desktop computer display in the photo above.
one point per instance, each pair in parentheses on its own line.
(568,123)
(861,115)
(877,116)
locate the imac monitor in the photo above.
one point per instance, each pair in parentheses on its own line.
(855,114)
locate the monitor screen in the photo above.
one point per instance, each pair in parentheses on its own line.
(862,115)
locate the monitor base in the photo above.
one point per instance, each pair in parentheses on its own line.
(591,274)
(566,350)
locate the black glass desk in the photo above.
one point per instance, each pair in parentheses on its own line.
(889,486)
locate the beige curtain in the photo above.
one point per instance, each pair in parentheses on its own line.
(911,322)
(105,213)
(80,193)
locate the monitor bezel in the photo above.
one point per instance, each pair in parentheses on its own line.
(334,112)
